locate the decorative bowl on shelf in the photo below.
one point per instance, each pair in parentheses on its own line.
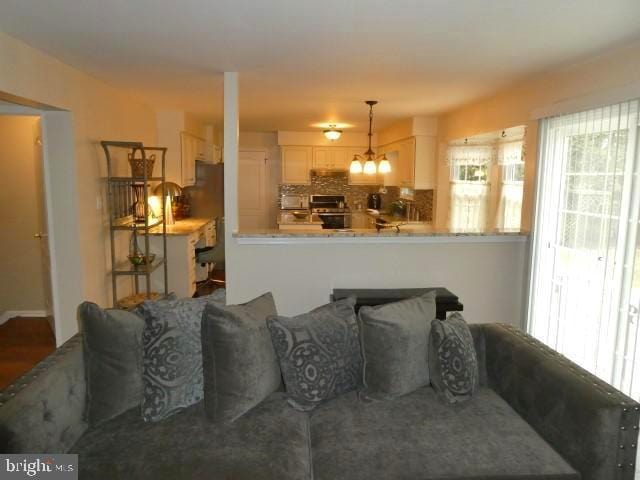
(139,259)
(300,214)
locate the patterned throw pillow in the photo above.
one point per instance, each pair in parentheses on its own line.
(319,353)
(453,364)
(172,358)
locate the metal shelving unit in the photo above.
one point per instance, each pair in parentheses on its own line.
(122,215)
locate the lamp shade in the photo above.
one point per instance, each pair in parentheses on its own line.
(332,134)
(356,166)
(370,167)
(384,166)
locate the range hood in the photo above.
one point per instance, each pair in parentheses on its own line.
(329,172)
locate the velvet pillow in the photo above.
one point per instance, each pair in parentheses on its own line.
(453,364)
(395,341)
(240,366)
(112,349)
(172,361)
(319,353)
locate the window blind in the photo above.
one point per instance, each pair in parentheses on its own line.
(585,272)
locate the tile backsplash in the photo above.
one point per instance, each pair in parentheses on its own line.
(358,193)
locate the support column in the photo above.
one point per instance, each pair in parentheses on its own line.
(231,129)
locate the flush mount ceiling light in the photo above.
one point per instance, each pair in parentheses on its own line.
(369,157)
(332,133)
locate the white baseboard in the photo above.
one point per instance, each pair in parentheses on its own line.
(21,313)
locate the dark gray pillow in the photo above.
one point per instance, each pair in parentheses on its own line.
(112,349)
(240,366)
(319,353)
(172,361)
(453,364)
(395,341)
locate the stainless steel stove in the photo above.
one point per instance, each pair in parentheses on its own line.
(332,210)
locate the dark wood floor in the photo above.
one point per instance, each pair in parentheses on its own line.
(23,343)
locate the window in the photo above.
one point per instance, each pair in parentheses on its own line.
(511,162)
(585,286)
(469,175)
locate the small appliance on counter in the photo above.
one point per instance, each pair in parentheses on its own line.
(374,201)
(294,205)
(332,210)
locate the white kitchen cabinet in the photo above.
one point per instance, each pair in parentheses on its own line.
(296,164)
(335,158)
(193,148)
(361,178)
(413,163)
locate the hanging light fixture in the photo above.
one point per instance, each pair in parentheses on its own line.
(332,133)
(369,157)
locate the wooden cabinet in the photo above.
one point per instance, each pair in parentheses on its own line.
(193,148)
(296,164)
(413,163)
(335,158)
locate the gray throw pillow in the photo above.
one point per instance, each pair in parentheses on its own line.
(240,366)
(172,361)
(112,349)
(453,364)
(395,341)
(319,353)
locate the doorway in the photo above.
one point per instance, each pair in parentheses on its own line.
(253,175)
(27,328)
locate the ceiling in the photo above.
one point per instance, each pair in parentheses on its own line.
(304,62)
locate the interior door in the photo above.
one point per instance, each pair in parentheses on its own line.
(252,189)
(43,232)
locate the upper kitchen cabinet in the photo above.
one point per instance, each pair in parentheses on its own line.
(296,164)
(413,162)
(334,158)
(193,148)
(411,147)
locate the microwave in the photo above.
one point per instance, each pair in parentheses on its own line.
(294,202)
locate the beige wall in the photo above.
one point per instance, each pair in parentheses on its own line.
(21,281)
(579,86)
(99,112)
(302,275)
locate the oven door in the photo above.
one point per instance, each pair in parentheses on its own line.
(333,221)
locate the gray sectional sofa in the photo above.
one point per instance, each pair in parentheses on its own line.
(536,416)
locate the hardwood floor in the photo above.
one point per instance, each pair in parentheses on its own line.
(23,343)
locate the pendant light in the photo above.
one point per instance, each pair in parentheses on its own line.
(369,157)
(332,133)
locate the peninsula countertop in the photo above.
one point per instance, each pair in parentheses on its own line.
(406,233)
(186,226)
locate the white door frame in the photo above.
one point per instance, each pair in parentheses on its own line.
(60,194)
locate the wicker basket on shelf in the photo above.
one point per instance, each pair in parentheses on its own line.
(137,165)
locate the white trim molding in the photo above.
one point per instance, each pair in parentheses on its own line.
(9,314)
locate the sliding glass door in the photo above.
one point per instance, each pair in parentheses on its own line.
(585,288)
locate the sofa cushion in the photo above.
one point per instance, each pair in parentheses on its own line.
(395,340)
(112,341)
(269,442)
(172,361)
(319,353)
(240,366)
(417,436)
(453,363)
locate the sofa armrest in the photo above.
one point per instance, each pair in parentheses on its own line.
(587,421)
(43,411)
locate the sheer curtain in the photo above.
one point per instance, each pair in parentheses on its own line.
(469,175)
(511,162)
(585,285)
